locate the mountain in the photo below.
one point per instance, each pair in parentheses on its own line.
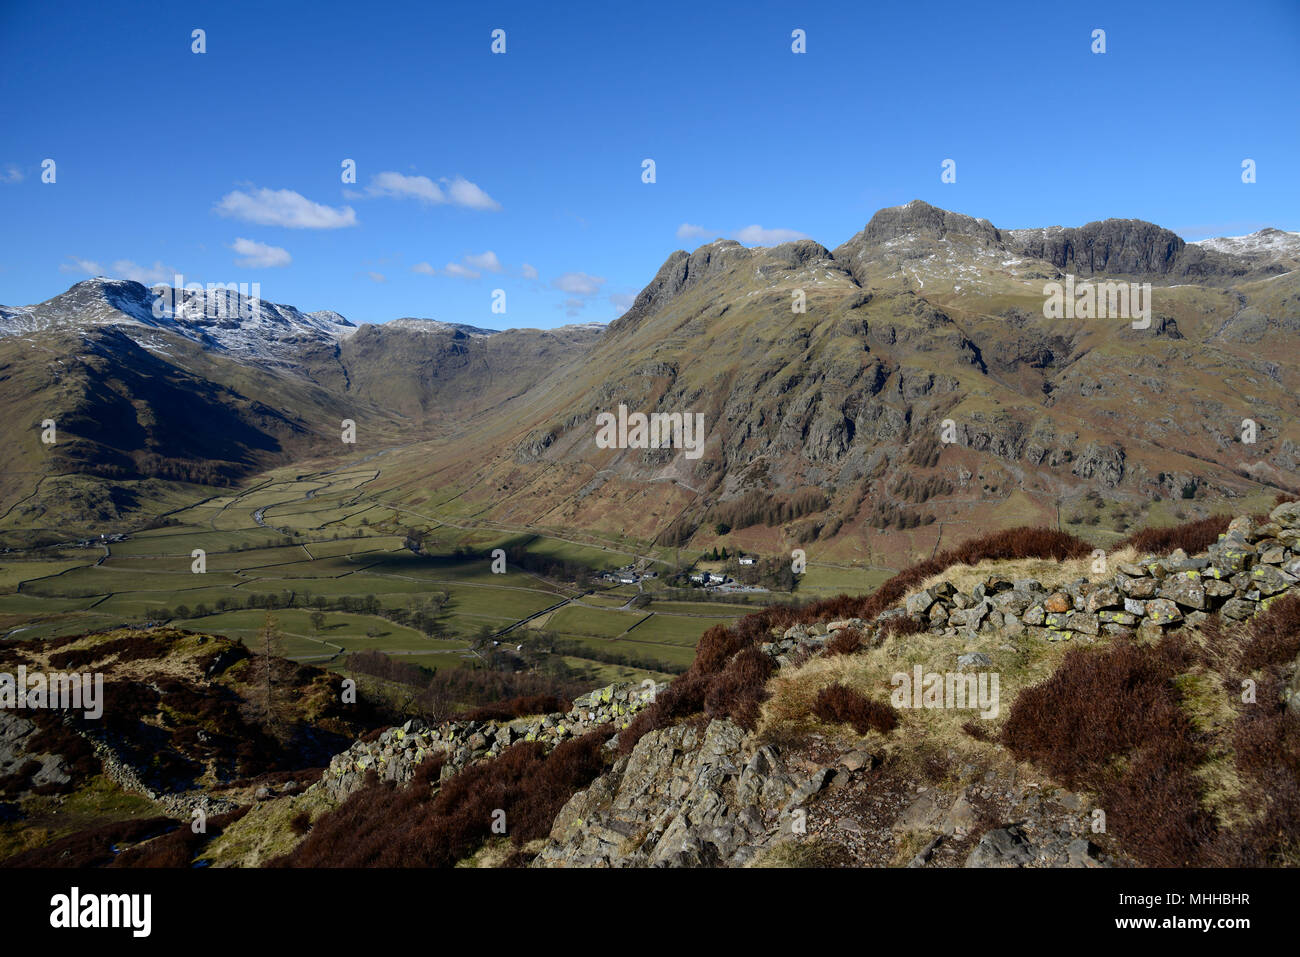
(1265,246)
(436,372)
(217,318)
(207,388)
(922,318)
(902,388)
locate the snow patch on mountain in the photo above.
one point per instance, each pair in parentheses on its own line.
(216,317)
(1269,244)
(435,326)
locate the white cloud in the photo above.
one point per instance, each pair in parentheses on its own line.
(377,277)
(399,186)
(530,272)
(260,255)
(461,272)
(87,266)
(758,236)
(487,261)
(471,266)
(458,192)
(465,193)
(622,301)
(122,269)
(578,283)
(688,231)
(11,174)
(284,207)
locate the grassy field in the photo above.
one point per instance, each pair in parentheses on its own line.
(321,543)
(827,581)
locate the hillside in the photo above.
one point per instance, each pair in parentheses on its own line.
(184,722)
(924,317)
(1106,725)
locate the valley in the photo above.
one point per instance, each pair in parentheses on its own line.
(329,558)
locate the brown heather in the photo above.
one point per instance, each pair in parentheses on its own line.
(846,642)
(177,848)
(840,704)
(386,826)
(1191,537)
(519,707)
(92,847)
(1112,721)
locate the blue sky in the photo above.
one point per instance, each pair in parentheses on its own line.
(523,171)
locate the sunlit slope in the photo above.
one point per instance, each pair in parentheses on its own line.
(901,330)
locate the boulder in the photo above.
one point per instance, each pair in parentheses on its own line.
(1139,587)
(1083,623)
(919,603)
(1162,611)
(1236,609)
(1230,556)
(1059,602)
(1269,580)
(1105,597)
(1135,606)
(1004,847)
(1014,601)
(1185,588)
(1286,515)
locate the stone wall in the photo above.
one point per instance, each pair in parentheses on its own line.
(397,752)
(1237,577)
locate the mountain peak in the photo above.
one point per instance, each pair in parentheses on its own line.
(919,218)
(680,271)
(1122,247)
(437,326)
(215,315)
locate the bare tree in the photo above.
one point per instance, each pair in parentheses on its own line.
(271,705)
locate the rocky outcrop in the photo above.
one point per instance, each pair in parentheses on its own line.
(16,733)
(919,218)
(1126,247)
(692,795)
(709,794)
(397,752)
(684,797)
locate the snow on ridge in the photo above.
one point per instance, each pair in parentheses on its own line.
(1263,242)
(215,316)
(430,326)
